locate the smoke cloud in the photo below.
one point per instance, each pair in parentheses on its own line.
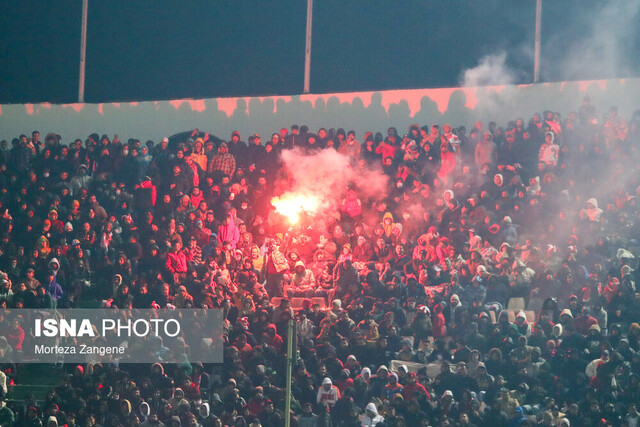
(603,49)
(326,175)
(492,70)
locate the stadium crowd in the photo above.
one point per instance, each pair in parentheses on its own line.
(491,284)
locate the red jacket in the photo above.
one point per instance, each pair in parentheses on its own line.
(583,323)
(387,150)
(195,200)
(177,262)
(229,233)
(256,406)
(148,184)
(438,325)
(276,342)
(410,390)
(344,384)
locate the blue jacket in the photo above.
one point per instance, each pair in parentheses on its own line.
(55,290)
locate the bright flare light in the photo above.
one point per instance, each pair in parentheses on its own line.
(291,205)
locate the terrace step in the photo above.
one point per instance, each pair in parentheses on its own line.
(22,391)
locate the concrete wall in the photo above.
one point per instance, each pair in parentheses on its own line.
(361,111)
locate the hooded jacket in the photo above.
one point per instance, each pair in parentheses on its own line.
(205,407)
(177,262)
(198,155)
(368,421)
(229,233)
(352,205)
(304,280)
(518,419)
(55,261)
(126,402)
(410,391)
(205,417)
(54,289)
(556,332)
(331,396)
(525,329)
(593,212)
(365,374)
(144,410)
(195,200)
(438,322)
(42,244)
(56,266)
(80,180)
(387,227)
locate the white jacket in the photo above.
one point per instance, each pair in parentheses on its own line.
(367,421)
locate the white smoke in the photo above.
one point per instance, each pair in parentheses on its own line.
(326,175)
(492,70)
(603,48)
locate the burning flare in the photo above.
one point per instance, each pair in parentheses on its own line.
(291,205)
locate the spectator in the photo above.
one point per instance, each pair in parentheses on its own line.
(328,393)
(223,163)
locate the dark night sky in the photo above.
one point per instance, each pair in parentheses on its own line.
(161,49)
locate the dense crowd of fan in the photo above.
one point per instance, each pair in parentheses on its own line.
(503,257)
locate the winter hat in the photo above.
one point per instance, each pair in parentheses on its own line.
(424,309)
(567,312)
